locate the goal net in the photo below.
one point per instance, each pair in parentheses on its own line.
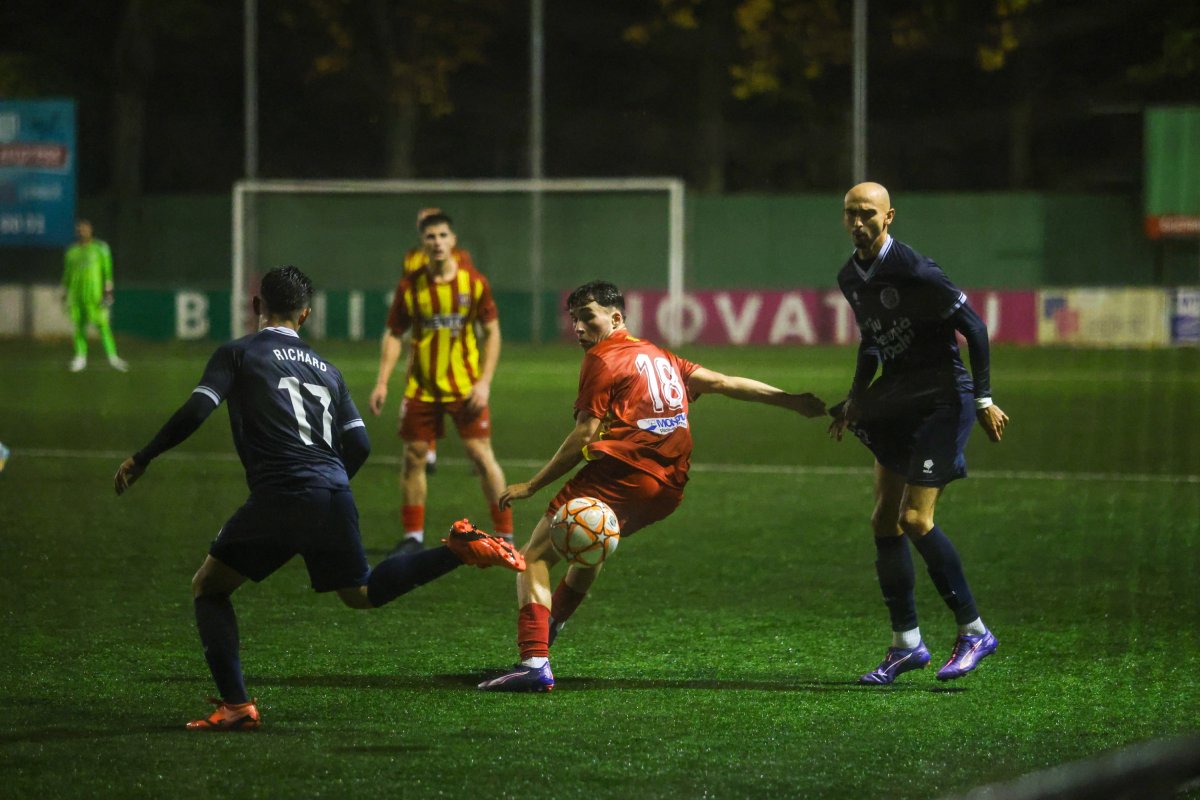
(534,240)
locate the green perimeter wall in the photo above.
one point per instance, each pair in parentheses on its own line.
(1015,241)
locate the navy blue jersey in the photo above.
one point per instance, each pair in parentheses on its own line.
(288,408)
(903,304)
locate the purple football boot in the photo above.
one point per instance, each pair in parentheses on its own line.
(897,661)
(968,652)
(522,679)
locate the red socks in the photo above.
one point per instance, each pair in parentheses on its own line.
(502,522)
(413,518)
(564,602)
(533,631)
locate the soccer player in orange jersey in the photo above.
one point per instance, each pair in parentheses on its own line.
(632,428)
(414,259)
(455,332)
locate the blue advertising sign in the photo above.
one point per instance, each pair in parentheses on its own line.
(37,173)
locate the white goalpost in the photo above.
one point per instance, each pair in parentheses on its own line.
(249,221)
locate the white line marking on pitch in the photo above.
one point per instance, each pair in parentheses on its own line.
(744,469)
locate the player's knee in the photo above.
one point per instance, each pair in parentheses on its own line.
(915,523)
(203,586)
(414,456)
(884,523)
(480,452)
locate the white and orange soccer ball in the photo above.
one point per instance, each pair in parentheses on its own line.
(585,531)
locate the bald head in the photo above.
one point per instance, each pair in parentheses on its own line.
(867,212)
(875,193)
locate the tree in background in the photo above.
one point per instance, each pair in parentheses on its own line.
(740,50)
(403,55)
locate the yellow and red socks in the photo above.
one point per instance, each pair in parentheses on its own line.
(533,631)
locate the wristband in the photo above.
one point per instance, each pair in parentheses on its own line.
(983,402)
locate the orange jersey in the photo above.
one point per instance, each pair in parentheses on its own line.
(442,316)
(639,393)
(416,258)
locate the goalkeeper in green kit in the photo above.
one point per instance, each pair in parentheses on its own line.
(88,293)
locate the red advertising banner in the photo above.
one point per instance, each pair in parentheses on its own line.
(800,316)
(1173,226)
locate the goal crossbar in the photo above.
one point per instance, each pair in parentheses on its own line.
(244,228)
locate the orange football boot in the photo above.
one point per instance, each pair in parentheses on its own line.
(228,717)
(481,549)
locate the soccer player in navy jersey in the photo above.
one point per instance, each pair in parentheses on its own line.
(300,439)
(915,419)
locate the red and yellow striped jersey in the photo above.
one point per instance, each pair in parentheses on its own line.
(416,258)
(442,316)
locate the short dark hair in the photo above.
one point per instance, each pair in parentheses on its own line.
(439,218)
(285,290)
(603,292)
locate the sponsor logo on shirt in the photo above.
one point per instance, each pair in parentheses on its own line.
(452,321)
(895,340)
(663,425)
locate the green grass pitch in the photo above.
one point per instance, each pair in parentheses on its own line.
(717,654)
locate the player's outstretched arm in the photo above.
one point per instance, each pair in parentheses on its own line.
(182,424)
(708,381)
(390,348)
(569,453)
(993,421)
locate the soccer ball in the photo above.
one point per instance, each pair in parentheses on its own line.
(585,531)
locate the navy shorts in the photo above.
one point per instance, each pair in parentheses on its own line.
(927,447)
(319,525)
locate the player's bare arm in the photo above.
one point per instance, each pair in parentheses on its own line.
(708,381)
(993,421)
(390,348)
(569,453)
(481,391)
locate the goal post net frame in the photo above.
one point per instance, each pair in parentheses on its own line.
(245,228)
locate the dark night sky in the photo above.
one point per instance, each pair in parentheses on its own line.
(938,122)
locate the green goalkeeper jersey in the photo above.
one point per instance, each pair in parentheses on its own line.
(87,271)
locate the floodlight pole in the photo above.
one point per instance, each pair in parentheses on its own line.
(859,136)
(537,171)
(250,78)
(245,214)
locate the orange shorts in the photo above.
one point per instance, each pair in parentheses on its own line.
(637,498)
(422,421)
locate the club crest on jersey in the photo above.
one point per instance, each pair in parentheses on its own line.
(889,297)
(464,299)
(663,425)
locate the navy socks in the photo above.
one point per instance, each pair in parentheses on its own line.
(217,624)
(397,575)
(893,564)
(945,568)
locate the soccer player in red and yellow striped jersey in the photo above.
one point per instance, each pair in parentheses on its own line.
(450,373)
(414,259)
